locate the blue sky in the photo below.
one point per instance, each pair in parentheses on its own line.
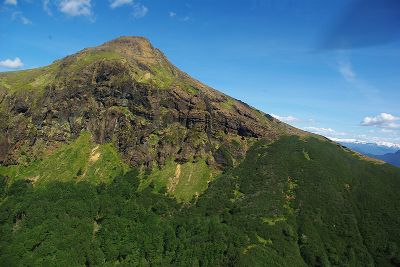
(299,60)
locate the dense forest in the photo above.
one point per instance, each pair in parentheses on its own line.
(295,202)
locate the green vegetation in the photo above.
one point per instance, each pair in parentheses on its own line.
(333,210)
(75,224)
(164,78)
(81,60)
(305,153)
(29,80)
(183,181)
(228,104)
(275,208)
(38,79)
(80,160)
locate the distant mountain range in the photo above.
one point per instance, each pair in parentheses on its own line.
(389,154)
(368,148)
(392,158)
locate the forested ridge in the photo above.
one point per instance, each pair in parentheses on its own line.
(293,202)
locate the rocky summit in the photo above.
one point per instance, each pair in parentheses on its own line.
(115,157)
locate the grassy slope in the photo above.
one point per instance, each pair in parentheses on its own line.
(29,80)
(184,181)
(80,160)
(38,79)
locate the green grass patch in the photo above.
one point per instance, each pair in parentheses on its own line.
(84,59)
(273,220)
(162,78)
(227,104)
(28,80)
(183,181)
(263,240)
(80,160)
(305,153)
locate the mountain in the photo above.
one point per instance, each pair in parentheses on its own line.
(386,153)
(370,148)
(113,156)
(391,158)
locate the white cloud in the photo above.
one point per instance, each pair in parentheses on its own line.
(383,120)
(319,129)
(118,3)
(347,140)
(171,14)
(346,70)
(385,143)
(18,16)
(12,64)
(139,11)
(374,140)
(285,118)
(324,131)
(11,2)
(76,7)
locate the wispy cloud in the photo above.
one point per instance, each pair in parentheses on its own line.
(119,3)
(346,70)
(374,140)
(324,131)
(384,130)
(46,7)
(382,120)
(11,2)
(319,129)
(186,18)
(347,140)
(285,118)
(18,16)
(174,15)
(292,119)
(76,7)
(12,63)
(139,11)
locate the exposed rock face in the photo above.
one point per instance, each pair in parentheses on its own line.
(126,92)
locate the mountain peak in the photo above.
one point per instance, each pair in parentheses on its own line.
(138,44)
(134,47)
(128,39)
